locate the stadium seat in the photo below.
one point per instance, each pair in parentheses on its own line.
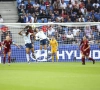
(39,21)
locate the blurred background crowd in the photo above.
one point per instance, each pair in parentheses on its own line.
(44,11)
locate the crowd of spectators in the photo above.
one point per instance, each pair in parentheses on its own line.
(73,35)
(60,11)
(43,11)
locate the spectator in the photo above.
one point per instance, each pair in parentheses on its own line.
(27,18)
(81,19)
(56,4)
(31,10)
(53,18)
(64,14)
(83,9)
(89,6)
(88,32)
(63,5)
(81,34)
(28,6)
(43,15)
(51,31)
(70,4)
(36,5)
(1,19)
(95,34)
(96,9)
(75,10)
(68,9)
(96,5)
(33,18)
(79,13)
(81,5)
(76,31)
(60,17)
(47,3)
(22,5)
(21,10)
(21,19)
(76,4)
(70,37)
(42,6)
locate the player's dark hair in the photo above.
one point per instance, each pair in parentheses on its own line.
(27,32)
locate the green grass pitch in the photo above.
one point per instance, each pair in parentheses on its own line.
(50,76)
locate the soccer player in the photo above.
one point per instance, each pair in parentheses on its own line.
(26,34)
(7,48)
(54,46)
(43,40)
(85,50)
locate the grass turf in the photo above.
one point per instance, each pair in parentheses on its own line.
(50,76)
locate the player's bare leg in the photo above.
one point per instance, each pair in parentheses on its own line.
(27,55)
(40,49)
(32,49)
(52,57)
(56,57)
(91,59)
(83,59)
(45,48)
(9,58)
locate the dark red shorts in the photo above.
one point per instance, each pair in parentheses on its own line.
(86,53)
(6,51)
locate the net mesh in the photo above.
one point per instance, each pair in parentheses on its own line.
(68,36)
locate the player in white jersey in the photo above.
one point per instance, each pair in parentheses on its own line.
(26,35)
(43,39)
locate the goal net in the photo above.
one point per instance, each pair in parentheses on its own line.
(68,36)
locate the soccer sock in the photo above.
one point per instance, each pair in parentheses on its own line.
(4,59)
(83,60)
(8,59)
(27,56)
(91,59)
(52,58)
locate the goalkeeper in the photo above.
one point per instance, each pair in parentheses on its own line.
(54,47)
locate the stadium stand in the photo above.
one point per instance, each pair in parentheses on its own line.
(43,11)
(1,19)
(8,11)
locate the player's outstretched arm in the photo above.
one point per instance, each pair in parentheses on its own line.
(15,44)
(20,33)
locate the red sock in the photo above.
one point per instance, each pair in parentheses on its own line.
(4,59)
(91,59)
(83,60)
(9,59)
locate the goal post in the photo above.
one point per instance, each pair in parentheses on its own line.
(68,36)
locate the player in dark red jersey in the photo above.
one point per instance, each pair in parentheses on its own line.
(0,51)
(7,48)
(85,50)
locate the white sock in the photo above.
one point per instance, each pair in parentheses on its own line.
(0,59)
(27,56)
